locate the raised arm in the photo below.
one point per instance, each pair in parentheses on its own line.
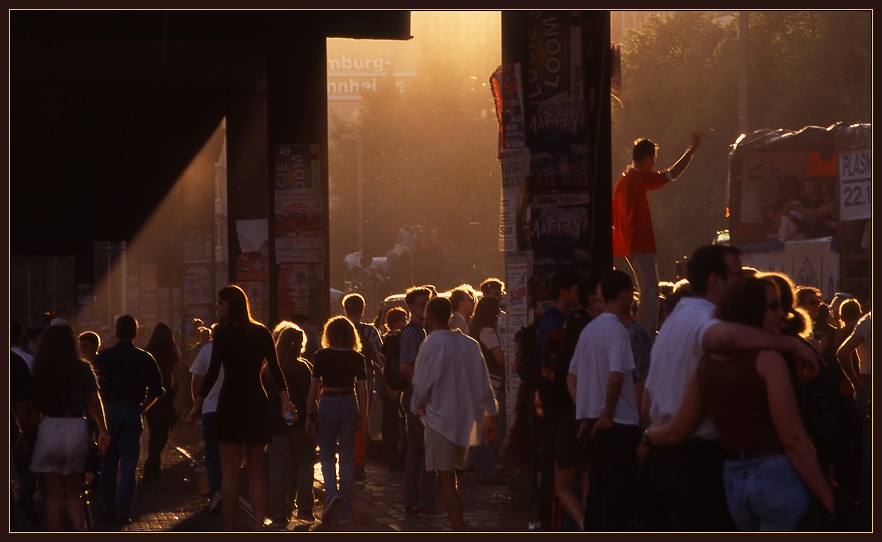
(680,165)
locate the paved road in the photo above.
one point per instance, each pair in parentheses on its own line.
(179,501)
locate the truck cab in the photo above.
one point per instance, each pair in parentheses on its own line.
(800,203)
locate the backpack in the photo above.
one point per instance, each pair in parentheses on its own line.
(391,351)
(368,336)
(527,354)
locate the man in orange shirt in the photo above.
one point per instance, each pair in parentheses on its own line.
(633,237)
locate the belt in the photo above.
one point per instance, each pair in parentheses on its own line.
(124,402)
(65,415)
(747,455)
(340,393)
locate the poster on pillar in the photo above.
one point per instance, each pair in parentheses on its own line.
(198,285)
(560,232)
(554,59)
(298,227)
(515,166)
(297,204)
(296,168)
(554,92)
(298,291)
(258,300)
(507,91)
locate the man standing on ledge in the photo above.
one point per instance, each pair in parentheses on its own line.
(633,237)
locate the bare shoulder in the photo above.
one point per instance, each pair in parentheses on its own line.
(768,361)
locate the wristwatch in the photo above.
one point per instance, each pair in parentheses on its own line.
(644,438)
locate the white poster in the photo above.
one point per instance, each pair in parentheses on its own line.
(517,274)
(515,167)
(855,182)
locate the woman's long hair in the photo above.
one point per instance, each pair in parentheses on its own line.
(796,320)
(744,301)
(58,370)
(486,312)
(340,333)
(239,308)
(290,343)
(164,348)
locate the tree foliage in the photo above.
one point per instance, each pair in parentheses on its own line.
(429,160)
(680,74)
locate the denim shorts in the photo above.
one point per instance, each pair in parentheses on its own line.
(765,494)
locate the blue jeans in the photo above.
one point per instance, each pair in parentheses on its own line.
(765,494)
(212,452)
(418,483)
(291,459)
(489,456)
(118,466)
(337,422)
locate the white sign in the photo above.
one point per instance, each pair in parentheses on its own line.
(813,262)
(855,183)
(515,166)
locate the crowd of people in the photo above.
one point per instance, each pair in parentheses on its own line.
(747,409)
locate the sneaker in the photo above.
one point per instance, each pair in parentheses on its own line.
(216,503)
(331,509)
(278,524)
(149,478)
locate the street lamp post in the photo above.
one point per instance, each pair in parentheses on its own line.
(358,183)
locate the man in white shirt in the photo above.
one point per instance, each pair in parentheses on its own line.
(462,300)
(689,478)
(452,393)
(209,423)
(18,340)
(601,383)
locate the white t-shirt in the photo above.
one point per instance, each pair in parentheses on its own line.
(674,358)
(604,346)
(200,367)
(29,359)
(489,337)
(457,321)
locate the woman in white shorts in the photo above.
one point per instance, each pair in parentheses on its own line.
(64,387)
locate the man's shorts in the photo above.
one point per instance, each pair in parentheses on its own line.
(441,454)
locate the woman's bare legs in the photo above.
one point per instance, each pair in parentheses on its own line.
(73,488)
(53,491)
(257,489)
(231,462)
(563,487)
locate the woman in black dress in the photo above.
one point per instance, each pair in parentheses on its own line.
(241,345)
